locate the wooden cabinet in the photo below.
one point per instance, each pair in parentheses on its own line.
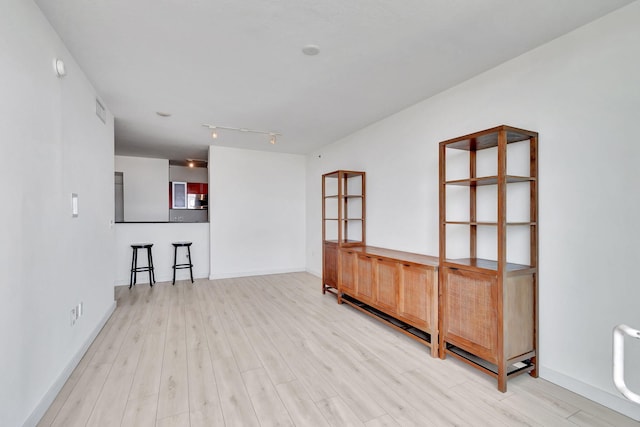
(488,304)
(343,220)
(417,292)
(329,266)
(347,271)
(366,278)
(387,285)
(400,288)
(469,301)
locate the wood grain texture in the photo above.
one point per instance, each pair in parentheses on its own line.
(170,356)
(469,301)
(393,283)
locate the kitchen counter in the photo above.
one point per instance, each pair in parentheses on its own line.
(162,234)
(162,222)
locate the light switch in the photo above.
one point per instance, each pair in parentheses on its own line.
(74,205)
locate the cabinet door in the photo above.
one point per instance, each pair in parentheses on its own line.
(347,272)
(366,279)
(470,312)
(193,188)
(179,195)
(519,315)
(386,297)
(330,264)
(418,296)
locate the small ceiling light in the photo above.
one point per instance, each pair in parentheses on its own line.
(272,140)
(190,164)
(214,133)
(311,50)
(59,67)
(163,114)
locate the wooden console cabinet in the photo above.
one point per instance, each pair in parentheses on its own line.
(488,301)
(398,287)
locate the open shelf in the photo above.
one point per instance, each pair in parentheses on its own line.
(346,242)
(489,138)
(483,264)
(346,196)
(487,223)
(343,174)
(488,180)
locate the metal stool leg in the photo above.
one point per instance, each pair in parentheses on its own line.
(153,270)
(150,266)
(133,266)
(135,270)
(190,263)
(175,260)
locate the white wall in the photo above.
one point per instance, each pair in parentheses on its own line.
(581,93)
(49,261)
(162,235)
(256,212)
(146,188)
(186,174)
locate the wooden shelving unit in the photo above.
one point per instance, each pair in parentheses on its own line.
(343,220)
(488,305)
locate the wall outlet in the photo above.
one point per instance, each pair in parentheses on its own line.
(73,316)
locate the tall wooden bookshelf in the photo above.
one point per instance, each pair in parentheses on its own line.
(488,285)
(343,220)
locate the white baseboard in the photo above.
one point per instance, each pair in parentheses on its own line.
(617,403)
(144,280)
(55,388)
(315,273)
(214,276)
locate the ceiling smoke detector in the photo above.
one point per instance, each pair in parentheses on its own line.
(311,50)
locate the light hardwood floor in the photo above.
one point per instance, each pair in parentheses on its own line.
(272,350)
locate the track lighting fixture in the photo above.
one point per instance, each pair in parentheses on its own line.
(214,131)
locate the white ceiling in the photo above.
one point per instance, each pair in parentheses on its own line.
(239,63)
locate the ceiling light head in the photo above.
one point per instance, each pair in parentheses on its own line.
(272,138)
(191,164)
(59,67)
(214,133)
(311,50)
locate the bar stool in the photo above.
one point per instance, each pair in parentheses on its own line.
(134,264)
(188,265)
